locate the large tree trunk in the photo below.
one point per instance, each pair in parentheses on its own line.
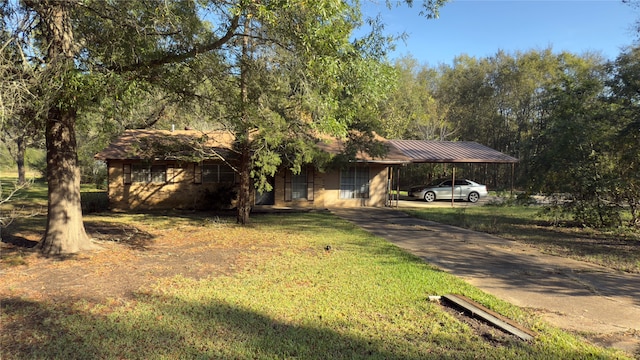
(244,195)
(65,233)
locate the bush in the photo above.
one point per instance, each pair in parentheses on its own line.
(6,161)
(93,202)
(521,199)
(595,213)
(220,198)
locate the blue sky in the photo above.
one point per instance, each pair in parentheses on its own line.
(482,27)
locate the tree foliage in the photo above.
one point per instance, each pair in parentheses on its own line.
(625,130)
(20,116)
(570,119)
(96,54)
(411,110)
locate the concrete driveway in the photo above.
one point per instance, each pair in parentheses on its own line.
(572,295)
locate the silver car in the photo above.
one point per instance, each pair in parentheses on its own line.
(441,190)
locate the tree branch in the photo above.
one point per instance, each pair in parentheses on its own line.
(175,58)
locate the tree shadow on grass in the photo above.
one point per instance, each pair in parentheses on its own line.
(611,250)
(122,233)
(310,221)
(174,328)
(19,242)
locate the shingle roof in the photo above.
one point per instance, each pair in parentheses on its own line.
(392,157)
(132,144)
(420,151)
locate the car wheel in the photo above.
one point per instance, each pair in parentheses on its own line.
(474,197)
(429,196)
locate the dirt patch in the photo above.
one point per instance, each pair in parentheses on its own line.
(493,335)
(130,258)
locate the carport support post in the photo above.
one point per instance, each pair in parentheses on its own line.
(389,199)
(513,170)
(453,185)
(398,188)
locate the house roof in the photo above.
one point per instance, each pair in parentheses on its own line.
(165,144)
(421,151)
(393,155)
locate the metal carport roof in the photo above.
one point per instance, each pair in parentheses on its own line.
(422,151)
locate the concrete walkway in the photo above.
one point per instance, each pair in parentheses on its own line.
(570,294)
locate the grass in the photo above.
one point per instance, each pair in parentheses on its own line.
(364,298)
(287,297)
(33,198)
(617,249)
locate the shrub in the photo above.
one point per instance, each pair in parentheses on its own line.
(93,202)
(220,198)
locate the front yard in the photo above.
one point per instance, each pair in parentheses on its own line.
(196,285)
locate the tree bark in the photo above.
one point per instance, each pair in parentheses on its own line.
(65,232)
(21,146)
(244,196)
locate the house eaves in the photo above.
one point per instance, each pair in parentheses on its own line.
(165,144)
(393,155)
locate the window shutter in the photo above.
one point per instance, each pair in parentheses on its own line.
(197,174)
(310,178)
(126,173)
(287,185)
(171,173)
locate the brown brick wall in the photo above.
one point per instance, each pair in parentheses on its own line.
(180,191)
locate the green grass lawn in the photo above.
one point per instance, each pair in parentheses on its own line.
(33,197)
(614,248)
(362,299)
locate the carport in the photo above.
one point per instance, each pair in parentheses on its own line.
(447,152)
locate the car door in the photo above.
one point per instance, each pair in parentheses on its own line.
(444,190)
(462,189)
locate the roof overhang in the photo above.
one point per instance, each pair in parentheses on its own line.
(163,144)
(422,151)
(399,152)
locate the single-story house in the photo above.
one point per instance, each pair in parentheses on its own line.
(162,169)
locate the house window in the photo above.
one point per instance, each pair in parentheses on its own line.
(175,172)
(354,182)
(214,173)
(148,174)
(299,185)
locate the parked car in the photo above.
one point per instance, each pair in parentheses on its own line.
(441,190)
